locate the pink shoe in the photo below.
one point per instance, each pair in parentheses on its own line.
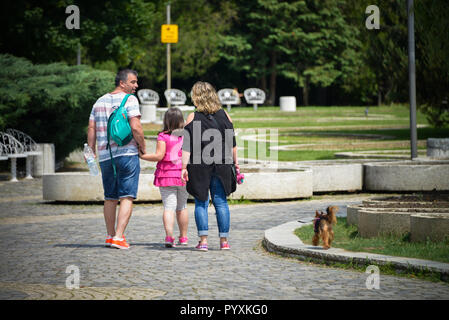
(224,246)
(201,247)
(170,242)
(183,241)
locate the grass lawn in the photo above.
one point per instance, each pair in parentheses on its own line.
(317,132)
(346,237)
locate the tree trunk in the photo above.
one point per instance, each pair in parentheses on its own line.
(264,83)
(379,98)
(273,75)
(305,91)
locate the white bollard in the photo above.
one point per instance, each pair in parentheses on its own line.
(287,103)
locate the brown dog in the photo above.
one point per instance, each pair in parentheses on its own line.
(323,223)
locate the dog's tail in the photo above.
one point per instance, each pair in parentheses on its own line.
(332,214)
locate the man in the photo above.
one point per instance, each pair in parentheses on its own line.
(123,187)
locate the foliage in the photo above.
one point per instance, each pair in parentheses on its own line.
(322,46)
(109,30)
(432,46)
(302,44)
(201,26)
(52,102)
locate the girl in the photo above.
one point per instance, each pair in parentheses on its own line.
(168,175)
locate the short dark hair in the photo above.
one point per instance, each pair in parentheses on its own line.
(173,119)
(122,75)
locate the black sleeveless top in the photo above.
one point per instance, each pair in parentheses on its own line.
(210,139)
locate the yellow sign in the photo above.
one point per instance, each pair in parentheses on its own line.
(169,33)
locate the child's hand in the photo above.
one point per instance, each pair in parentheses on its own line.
(184,175)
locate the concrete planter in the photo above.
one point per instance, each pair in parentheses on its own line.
(274,184)
(438,148)
(337,177)
(375,223)
(433,226)
(407,176)
(81,186)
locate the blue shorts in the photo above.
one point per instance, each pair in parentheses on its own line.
(127,181)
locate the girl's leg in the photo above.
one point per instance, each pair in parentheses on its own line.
(221,208)
(201,219)
(168,219)
(168,195)
(182,215)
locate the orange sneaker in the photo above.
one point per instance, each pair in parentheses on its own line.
(108,241)
(120,243)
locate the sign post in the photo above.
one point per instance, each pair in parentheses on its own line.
(169,34)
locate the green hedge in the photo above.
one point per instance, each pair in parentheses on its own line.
(50,102)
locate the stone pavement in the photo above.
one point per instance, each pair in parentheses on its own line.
(41,240)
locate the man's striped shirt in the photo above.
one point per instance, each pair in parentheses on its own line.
(101,111)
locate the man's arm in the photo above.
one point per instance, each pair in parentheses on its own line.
(137,130)
(92,135)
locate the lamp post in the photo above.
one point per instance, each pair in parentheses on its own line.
(412,78)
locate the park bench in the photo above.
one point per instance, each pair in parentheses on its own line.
(254,96)
(228,97)
(31,149)
(12,149)
(149,100)
(177,98)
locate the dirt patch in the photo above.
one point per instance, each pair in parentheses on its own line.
(416,200)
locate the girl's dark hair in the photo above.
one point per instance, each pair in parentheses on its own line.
(173,119)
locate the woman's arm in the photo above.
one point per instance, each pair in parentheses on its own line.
(234,156)
(234,150)
(158,156)
(189,118)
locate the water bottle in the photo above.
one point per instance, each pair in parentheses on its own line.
(90,159)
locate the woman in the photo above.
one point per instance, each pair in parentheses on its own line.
(209,152)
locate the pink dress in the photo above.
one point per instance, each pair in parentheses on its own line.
(168,170)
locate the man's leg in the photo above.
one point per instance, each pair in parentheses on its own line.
(124,214)
(109,211)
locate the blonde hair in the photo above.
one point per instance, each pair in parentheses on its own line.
(205,98)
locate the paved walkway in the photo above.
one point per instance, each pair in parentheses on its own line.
(40,240)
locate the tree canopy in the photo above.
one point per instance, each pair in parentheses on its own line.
(313,47)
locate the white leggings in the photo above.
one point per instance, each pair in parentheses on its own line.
(174,198)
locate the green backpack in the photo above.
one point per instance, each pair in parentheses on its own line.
(119,129)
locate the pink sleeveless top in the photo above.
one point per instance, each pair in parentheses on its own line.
(168,170)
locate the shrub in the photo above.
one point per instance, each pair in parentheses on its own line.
(50,102)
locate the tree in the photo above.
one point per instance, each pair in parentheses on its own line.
(201,26)
(109,31)
(50,102)
(432,66)
(384,50)
(257,41)
(322,47)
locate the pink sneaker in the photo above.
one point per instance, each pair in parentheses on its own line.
(201,247)
(224,246)
(183,241)
(170,242)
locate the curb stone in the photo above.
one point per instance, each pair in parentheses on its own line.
(282,240)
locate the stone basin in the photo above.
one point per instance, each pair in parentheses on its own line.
(259,184)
